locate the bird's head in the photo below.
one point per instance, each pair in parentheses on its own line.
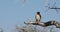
(38,12)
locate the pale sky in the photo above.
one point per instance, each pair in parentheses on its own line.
(15,12)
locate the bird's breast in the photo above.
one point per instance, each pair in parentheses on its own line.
(38,17)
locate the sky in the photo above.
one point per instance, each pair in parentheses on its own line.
(15,12)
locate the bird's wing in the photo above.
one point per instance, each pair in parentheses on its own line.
(40,16)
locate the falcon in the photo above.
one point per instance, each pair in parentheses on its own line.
(38,17)
(43,24)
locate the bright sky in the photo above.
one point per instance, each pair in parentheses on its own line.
(15,12)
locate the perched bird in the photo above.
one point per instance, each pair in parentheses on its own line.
(43,24)
(38,17)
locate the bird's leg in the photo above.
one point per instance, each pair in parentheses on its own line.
(38,21)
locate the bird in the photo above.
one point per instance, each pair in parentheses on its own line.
(43,24)
(38,17)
